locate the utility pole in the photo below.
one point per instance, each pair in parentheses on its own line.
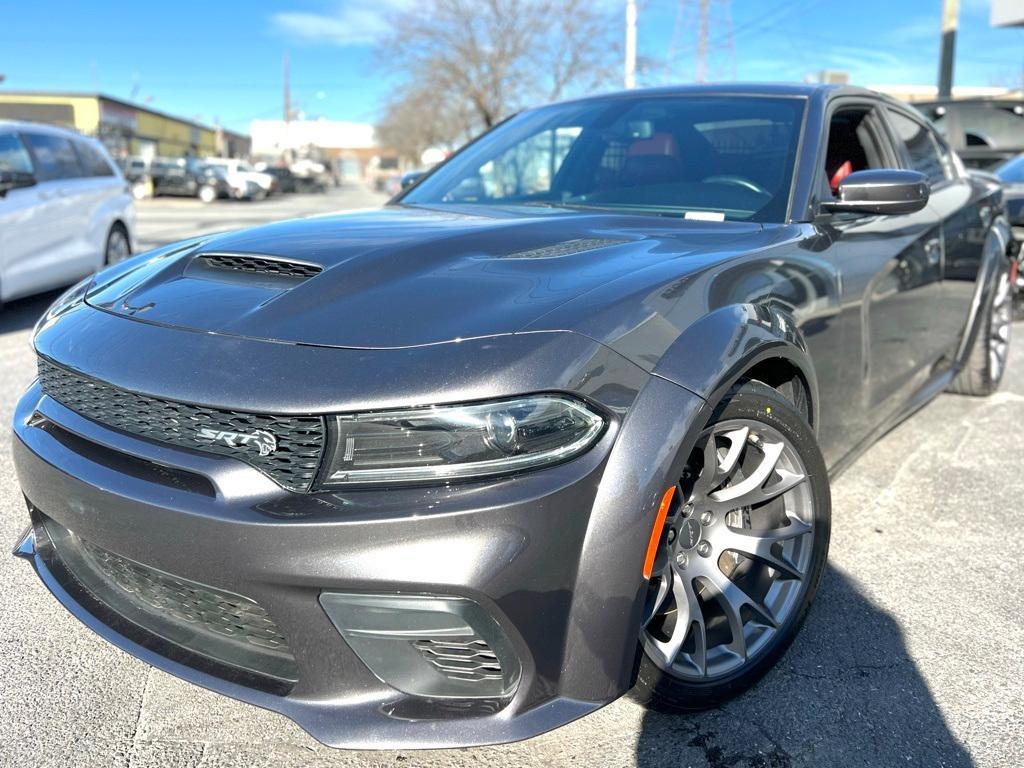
(630,79)
(287,89)
(950,15)
(702,43)
(707,25)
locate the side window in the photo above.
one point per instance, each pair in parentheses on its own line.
(55,157)
(93,161)
(14,157)
(853,145)
(922,150)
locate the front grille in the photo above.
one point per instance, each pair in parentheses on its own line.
(216,631)
(261,265)
(467,658)
(294,452)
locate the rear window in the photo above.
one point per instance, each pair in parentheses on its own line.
(14,157)
(93,161)
(55,157)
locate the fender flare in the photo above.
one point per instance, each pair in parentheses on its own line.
(710,356)
(996,248)
(698,370)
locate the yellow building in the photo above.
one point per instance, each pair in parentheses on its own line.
(126,129)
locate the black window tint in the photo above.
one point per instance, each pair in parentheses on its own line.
(13,155)
(921,148)
(54,155)
(93,161)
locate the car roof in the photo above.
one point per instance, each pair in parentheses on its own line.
(794,90)
(24,125)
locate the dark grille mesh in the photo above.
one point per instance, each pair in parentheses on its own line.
(259,265)
(178,599)
(207,628)
(293,463)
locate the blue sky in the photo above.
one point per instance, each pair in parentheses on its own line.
(217,60)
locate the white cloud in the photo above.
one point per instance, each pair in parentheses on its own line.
(355,22)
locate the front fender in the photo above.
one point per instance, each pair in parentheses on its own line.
(713,354)
(655,440)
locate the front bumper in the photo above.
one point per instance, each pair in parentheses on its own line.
(552,557)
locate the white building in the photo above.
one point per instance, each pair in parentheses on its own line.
(352,145)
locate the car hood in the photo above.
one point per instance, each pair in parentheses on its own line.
(404,276)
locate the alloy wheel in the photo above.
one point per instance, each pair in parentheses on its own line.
(117,246)
(736,553)
(999,328)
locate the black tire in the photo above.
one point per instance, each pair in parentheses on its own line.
(118,245)
(658,689)
(985,365)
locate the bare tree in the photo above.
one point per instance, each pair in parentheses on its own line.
(465,65)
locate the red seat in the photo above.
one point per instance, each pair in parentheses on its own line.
(844,170)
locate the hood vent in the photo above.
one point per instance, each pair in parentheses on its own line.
(259,265)
(568,248)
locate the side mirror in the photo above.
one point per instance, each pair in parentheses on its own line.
(15,180)
(880,191)
(411,178)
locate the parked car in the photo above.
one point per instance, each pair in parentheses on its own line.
(65,209)
(286,181)
(984,132)
(556,423)
(239,173)
(310,176)
(1011,174)
(187,177)
(136,173)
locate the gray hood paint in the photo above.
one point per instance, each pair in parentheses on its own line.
(403,277)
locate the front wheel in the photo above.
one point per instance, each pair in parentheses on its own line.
(118,247)
(983,371)
(741,554)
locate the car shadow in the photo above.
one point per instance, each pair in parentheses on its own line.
(846,694)
(22,314)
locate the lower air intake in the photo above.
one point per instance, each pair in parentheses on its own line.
(211,629)
(461,658)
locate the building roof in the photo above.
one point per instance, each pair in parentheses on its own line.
(114,100)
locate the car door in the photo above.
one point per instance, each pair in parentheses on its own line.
(67,253)
(99,185)
(964,214)
(23,238)
(891,279)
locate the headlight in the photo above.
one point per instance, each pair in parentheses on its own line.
(71,298)
(459,441)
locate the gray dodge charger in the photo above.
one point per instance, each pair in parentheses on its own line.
(555,424)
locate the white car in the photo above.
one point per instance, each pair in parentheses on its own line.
(65,209)
(239,172)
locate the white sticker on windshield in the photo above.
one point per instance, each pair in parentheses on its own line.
(704,215)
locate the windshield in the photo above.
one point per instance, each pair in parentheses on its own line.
(707,157)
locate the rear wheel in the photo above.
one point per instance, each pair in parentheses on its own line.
(983,371)
(741,556)
(118,248)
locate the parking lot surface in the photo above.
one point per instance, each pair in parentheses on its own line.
(911,655)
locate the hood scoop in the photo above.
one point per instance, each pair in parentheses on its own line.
(568,248)
(240,264)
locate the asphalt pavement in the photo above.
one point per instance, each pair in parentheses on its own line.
(911,655)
